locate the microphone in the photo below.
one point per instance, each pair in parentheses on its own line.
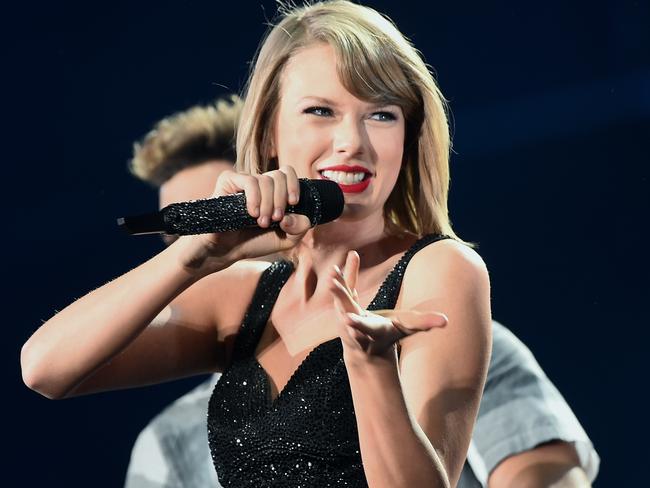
(320,200)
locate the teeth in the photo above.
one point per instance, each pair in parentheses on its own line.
(344,177)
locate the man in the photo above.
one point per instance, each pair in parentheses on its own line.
(525,434)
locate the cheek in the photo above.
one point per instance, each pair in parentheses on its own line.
(389,148)
(300,152)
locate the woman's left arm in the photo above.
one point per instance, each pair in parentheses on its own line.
(415,414)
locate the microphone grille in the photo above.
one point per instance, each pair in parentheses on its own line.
(330,200)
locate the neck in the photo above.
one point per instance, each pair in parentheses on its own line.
(327,245)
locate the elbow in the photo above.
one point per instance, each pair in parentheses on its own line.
(34,369)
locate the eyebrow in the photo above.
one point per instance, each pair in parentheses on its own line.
(324,101)
(327,101)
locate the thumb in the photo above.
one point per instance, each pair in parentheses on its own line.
(412,320)
(295,226)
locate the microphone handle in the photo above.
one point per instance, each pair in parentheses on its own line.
(221,214)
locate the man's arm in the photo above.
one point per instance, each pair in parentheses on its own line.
(172,451)
(525,433)
(552,465)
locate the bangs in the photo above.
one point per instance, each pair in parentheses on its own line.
(370,71)
(373,63)
(368,57)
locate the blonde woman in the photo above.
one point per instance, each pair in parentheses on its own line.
(360,358)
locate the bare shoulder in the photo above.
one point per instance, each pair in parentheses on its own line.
(443,264)
(450,253)
(241,272)
(228,293)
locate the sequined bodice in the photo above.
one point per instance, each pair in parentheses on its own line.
(307,436)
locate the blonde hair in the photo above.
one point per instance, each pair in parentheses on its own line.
(188,138)
(375,63)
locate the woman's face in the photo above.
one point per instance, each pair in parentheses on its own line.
(323,131)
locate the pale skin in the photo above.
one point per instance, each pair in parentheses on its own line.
(555,464)
(160,321)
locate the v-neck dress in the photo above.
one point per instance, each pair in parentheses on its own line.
(307,436)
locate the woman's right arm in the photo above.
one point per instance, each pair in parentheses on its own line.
(171,317)
(165,296)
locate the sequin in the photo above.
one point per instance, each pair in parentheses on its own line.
(307,435)
(229,212)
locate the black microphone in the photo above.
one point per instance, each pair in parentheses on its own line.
(320,200)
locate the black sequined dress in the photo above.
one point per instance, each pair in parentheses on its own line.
(307,436)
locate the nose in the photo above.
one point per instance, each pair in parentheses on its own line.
(349,136)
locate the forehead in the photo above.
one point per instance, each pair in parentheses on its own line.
(316,70)
(311,69)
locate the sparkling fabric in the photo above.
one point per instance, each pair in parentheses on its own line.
(307,436)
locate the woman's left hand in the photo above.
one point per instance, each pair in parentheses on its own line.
(373,333)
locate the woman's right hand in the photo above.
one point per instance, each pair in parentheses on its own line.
(267,196)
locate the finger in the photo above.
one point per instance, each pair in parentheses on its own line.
(230,182)
(343,296)
(338,275)
(279,194)
(352,295)
(410,321)
(355,295)
(351,269)
(341,292)
(293,185)
(439,319)
(266,185)
(295,226)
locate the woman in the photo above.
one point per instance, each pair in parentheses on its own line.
(314,390)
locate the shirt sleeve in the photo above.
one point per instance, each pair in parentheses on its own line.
(520,410)
(148,467)
(172,450)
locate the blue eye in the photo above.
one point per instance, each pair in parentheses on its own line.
(384,116)
(320,111)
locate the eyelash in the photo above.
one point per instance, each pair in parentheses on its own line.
(386,116)
(314,110)
(389,116)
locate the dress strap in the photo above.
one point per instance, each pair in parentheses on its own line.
(386,297)
(257,315)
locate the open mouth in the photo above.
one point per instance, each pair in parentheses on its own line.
(345,177)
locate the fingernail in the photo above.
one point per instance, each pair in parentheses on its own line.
(293,198)
(264,221)
(288,220)
(256,212)
(277,214)
(441,320)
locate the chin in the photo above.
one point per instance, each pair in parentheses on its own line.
(354,212)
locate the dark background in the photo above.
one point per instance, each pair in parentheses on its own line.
(551,104)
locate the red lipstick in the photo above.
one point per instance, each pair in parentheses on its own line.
(349,169)
(355,187)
